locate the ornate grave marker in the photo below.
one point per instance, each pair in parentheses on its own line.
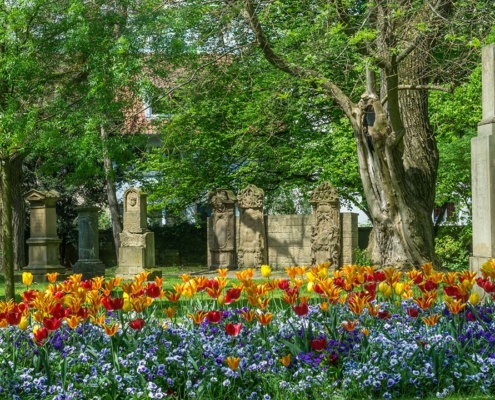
(222,240)
(137,243)
(252,242)
(325,236)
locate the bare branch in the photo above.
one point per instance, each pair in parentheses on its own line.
(448,89)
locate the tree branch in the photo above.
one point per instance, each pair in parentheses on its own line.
(278,62)
(448,89)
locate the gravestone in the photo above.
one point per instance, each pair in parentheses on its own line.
(349,237)
(325,235)
(43,241)
(222,240)
(88,264)
(252,242)
(137,243)
(483,168)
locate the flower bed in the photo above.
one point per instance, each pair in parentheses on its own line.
(318,334)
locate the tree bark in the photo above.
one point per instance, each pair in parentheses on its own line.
(18,213)
(113,204)
(7,243)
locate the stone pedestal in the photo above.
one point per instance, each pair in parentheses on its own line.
(221,231)
(43,242)
(483,168)
(252,241)
(325,235)
(88,264)
(349,237)
(137,243)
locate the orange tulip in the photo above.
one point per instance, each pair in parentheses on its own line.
(223,272)
(248,315)
(324,306)
(455,307)
(263,304)
(265,319)
(52,277)
(73,321)
(170,312)
(111,330)
(184,277)
(198,316)
(357,304)
(233,362)
(285,360)
(349,326)
(427,269)
(431,320)
(173,297)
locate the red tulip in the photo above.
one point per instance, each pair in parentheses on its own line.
(29,295)
(384,315)
(83,313)
(212,284)
(418,279)
(301,309)
(153,290)
(13,318)
(412,312)
(52,324)
(59,311)
(317,288)
(88,284)
(40,334)
(233,329)
(339,282)
(283,284)
(137,324)
(318,344)
(428,286)
(234,293)
(214,317)
(379,276)
(113,304)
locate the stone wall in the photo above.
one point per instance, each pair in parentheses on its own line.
(288,238)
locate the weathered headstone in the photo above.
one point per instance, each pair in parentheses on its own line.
(137,243)
(483,168)
(252,242)
(325,236)
(222,240)
(88,264)
(43,242)
(349,237)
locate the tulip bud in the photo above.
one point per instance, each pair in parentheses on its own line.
(474,299)
(323,273)
(382,287)
(310,286)
(266,271)
(399,288)
(221,300)
(27,278)
(388,291)
(23,324)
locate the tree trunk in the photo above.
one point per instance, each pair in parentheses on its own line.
(113,204)
(7,243)
(18,213)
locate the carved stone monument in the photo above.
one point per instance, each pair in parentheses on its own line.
(325,234)
(252,242)
(483,168)
(43,242)
(222,241)
(88,264)
(137,243)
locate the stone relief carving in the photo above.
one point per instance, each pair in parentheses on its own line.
(222,251)
(325,231)
(252,250)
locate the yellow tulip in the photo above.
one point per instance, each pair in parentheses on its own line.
(221,300)
(323,273)
(399,288)
(266,271)
(233,362)
(310,286)
(474,299)
(23,324)
(27,278)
